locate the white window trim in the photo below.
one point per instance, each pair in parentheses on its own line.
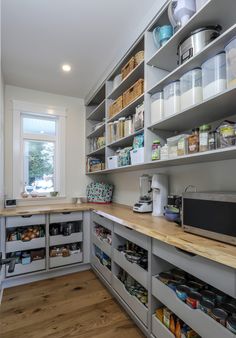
(20,108)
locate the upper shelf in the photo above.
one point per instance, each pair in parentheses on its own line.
(209,51)
(98,113)
(97,132)
(125,141)
(100,151)
(135,75)
(212,13)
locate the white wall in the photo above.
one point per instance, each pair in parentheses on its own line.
(1,140)
(76,180)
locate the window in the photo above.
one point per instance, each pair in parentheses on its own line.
(39,149)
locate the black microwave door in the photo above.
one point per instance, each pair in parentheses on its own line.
(214,216)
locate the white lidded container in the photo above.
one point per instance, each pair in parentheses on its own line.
(214,75)
(157,107)
(112,162)
(191,88)
(171,99)
(231,63)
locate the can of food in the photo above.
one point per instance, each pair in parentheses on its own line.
(182,292)
(165,277)
(208,295)
(231,324)
(194,286)
(220,296)
(219,315)
(206,306)
(193,299)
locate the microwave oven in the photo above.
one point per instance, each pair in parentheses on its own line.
(211,215)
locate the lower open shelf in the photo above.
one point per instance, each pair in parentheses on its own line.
(104,271)
(159,330)
(21,269)
(61,261)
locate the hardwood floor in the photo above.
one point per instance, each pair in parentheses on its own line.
(73,306)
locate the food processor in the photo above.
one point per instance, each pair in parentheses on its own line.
(145,200)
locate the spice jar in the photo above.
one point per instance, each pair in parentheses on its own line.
(204,137)
(121,125)
(226,134)
(193,142)
(128,130)
(156,150)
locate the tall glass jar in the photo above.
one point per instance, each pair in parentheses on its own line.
(204,131)
(193,142)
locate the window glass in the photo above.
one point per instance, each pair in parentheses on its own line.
(39,166)
(39,126)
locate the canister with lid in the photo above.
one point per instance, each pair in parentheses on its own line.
(157,107)
(171,99)
(204,131)
(128,129)
(115,130)
(191,88)
(121,125)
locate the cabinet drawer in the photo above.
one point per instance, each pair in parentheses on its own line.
(136,306)
(28,268)
(132,236)
(24,220)
(66,217)
(101,220)
(200,322)
(35,243)
(61,261)
(60,239)
(134,270)
(217,275)
(104,271)
(105,247)
(159,330)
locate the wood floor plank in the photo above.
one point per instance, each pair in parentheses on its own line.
(72,306)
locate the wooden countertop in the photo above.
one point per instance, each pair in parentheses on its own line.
(155,227)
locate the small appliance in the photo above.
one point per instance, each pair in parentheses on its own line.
(145,200)
(160,193)
(173,210)
(180,11)
(162,34)
(210,214)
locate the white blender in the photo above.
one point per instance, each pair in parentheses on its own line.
(180,11)
(160,194)
(145,200)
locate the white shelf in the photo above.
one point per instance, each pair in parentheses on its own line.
(215,47)
(218,107)
(36,243)
(98,113)
(125,141)
(128,110)
(61,261)
(102,245)
(212,13)
(105,272)
(97,132)
(100,151)
(60,239)
(136,74)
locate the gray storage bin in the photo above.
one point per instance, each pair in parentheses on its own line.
(217,275)
(61,261)
(134,270)
(133,236)
(66,217)
(21,269)
(136,306)
(199,321)
(24,220)
(104,271)
(101,220)
(159,330)
(105,247)
(60,239)
(36,243)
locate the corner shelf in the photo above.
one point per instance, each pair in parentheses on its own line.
(98,113)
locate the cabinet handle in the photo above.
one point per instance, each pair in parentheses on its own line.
(66,213)
(189,254)
(127,228)
(26,216)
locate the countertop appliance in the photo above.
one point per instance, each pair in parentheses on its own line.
(173,210)
(210,214)
(196,41)
(145,200)
(180,11)
(160,194)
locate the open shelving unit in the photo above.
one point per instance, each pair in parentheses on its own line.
(159,68)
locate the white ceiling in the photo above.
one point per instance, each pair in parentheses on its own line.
(40,35)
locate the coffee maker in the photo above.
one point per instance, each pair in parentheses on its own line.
(144,204)
(160,194)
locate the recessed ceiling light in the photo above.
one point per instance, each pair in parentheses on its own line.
(66,68)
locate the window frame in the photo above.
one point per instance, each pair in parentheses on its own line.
(21,109)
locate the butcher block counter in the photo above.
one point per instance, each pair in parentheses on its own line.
(155,227)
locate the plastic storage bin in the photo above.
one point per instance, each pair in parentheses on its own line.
(112,162)
(172,143)
(137,156)
(231,63)
(214,75)
(191,88)
(157,107)
(172,99)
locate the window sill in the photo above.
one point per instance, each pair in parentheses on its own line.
(37,199)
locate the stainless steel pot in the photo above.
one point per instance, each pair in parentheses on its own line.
(196,41)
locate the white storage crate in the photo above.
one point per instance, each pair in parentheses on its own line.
(137,156)
(112,162)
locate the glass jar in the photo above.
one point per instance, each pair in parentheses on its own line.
(193,142)
(121,125)
(115,130)
(226,134)
(204,137)
(128,130)
(110,132)
(212,140)
(156,150)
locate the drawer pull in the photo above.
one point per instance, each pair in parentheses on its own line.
(26,216)
(128,228)
(189,254)
(66,213)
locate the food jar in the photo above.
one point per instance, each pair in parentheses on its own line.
(193,300)
(214,75)
(157,107)
(219,315)
(206,306)
(128,128)
(231,63)
(156,150)
(204,131)
(212,140)
(164,152)
(191,88)
(193,142)
(115,131)
(110,132)
(172,143)
(182,147)
(171,99)
(121,126)
(226,134)
(182,292)
(231,324)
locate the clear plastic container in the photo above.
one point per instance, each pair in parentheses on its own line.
(172,99)
(121,126)
(191,88)
(110,132)
(214,75)
(172,143)
(231,63)
(128,130)
(157,107)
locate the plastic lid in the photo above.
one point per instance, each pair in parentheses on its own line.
(156,142)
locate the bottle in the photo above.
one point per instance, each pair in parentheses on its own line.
(172,324)
(193,142)
(204,137)
(156,150)
(178,329)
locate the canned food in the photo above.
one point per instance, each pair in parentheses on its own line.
(231,324)
(208,295)
(219,315)
(206,306)
(193,300)
(194,286)
(182,292)
(165,277)
(229,308)
(179,273)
